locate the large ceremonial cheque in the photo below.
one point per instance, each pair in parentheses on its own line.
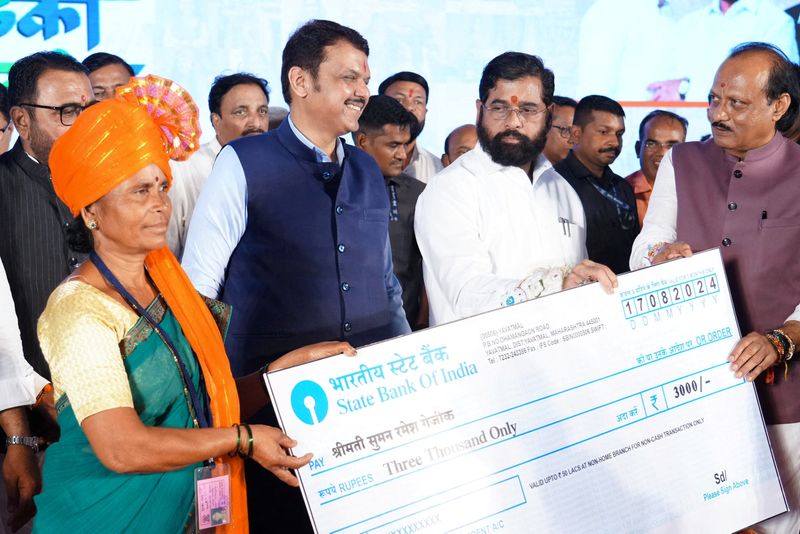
(577,412)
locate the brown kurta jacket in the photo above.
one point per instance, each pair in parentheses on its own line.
(751,210)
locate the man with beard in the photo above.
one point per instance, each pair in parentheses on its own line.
(239,105)
(499,225)
(739,190)
(659,131)
(608,200)
(291,229)
(411,90)
(47,92)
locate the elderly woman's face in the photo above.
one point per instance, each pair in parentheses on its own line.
(133,216)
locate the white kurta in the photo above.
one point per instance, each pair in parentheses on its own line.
(188,179)
(423,165)
(482,228)
(19,383)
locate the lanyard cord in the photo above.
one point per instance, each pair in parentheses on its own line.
(394,214)
(194,398)
(611,195)
(624,210)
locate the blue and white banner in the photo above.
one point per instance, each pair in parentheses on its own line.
(619,48)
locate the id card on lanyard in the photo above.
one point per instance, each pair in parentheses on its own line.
(394,208)
(212,482)
(212,496)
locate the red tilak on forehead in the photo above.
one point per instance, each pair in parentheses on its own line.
(723,84)
(514,99)
(410,93)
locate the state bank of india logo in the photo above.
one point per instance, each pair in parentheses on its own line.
(309,402)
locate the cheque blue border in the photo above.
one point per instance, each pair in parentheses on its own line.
(534,401)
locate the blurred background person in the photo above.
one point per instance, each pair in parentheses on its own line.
(658,132)
(608,201)
(558,136)
(106,73)
(412,91)
(6,126)
(459,142)
(239,106)
(385,129)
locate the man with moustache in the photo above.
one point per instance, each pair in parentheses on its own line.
(499,225)
(291,229)
(239,106)
(659,131)
(411,90)
(608,200)
(384,131)
(560,133)
(739,191)
(459,142)
(47,92)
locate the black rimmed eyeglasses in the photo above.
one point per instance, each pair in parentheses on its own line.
(563,131)
(68,113)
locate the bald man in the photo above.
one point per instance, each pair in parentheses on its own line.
(459,142)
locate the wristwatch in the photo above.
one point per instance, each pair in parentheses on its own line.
(28,441)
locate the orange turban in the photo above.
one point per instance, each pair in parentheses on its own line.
(151,120)
(109,142)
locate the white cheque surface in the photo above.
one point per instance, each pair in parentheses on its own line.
(577,412)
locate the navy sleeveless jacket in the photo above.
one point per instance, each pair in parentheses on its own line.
(311,264)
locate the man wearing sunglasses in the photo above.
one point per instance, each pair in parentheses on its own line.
(558,136)
(608,201)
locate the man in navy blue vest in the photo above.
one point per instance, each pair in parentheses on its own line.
(291,229)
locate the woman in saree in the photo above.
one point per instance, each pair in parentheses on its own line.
(144,390)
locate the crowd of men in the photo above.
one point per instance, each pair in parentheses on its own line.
(311,237)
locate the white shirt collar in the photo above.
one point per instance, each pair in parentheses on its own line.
(322,157)
(34,159)
(214,145)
